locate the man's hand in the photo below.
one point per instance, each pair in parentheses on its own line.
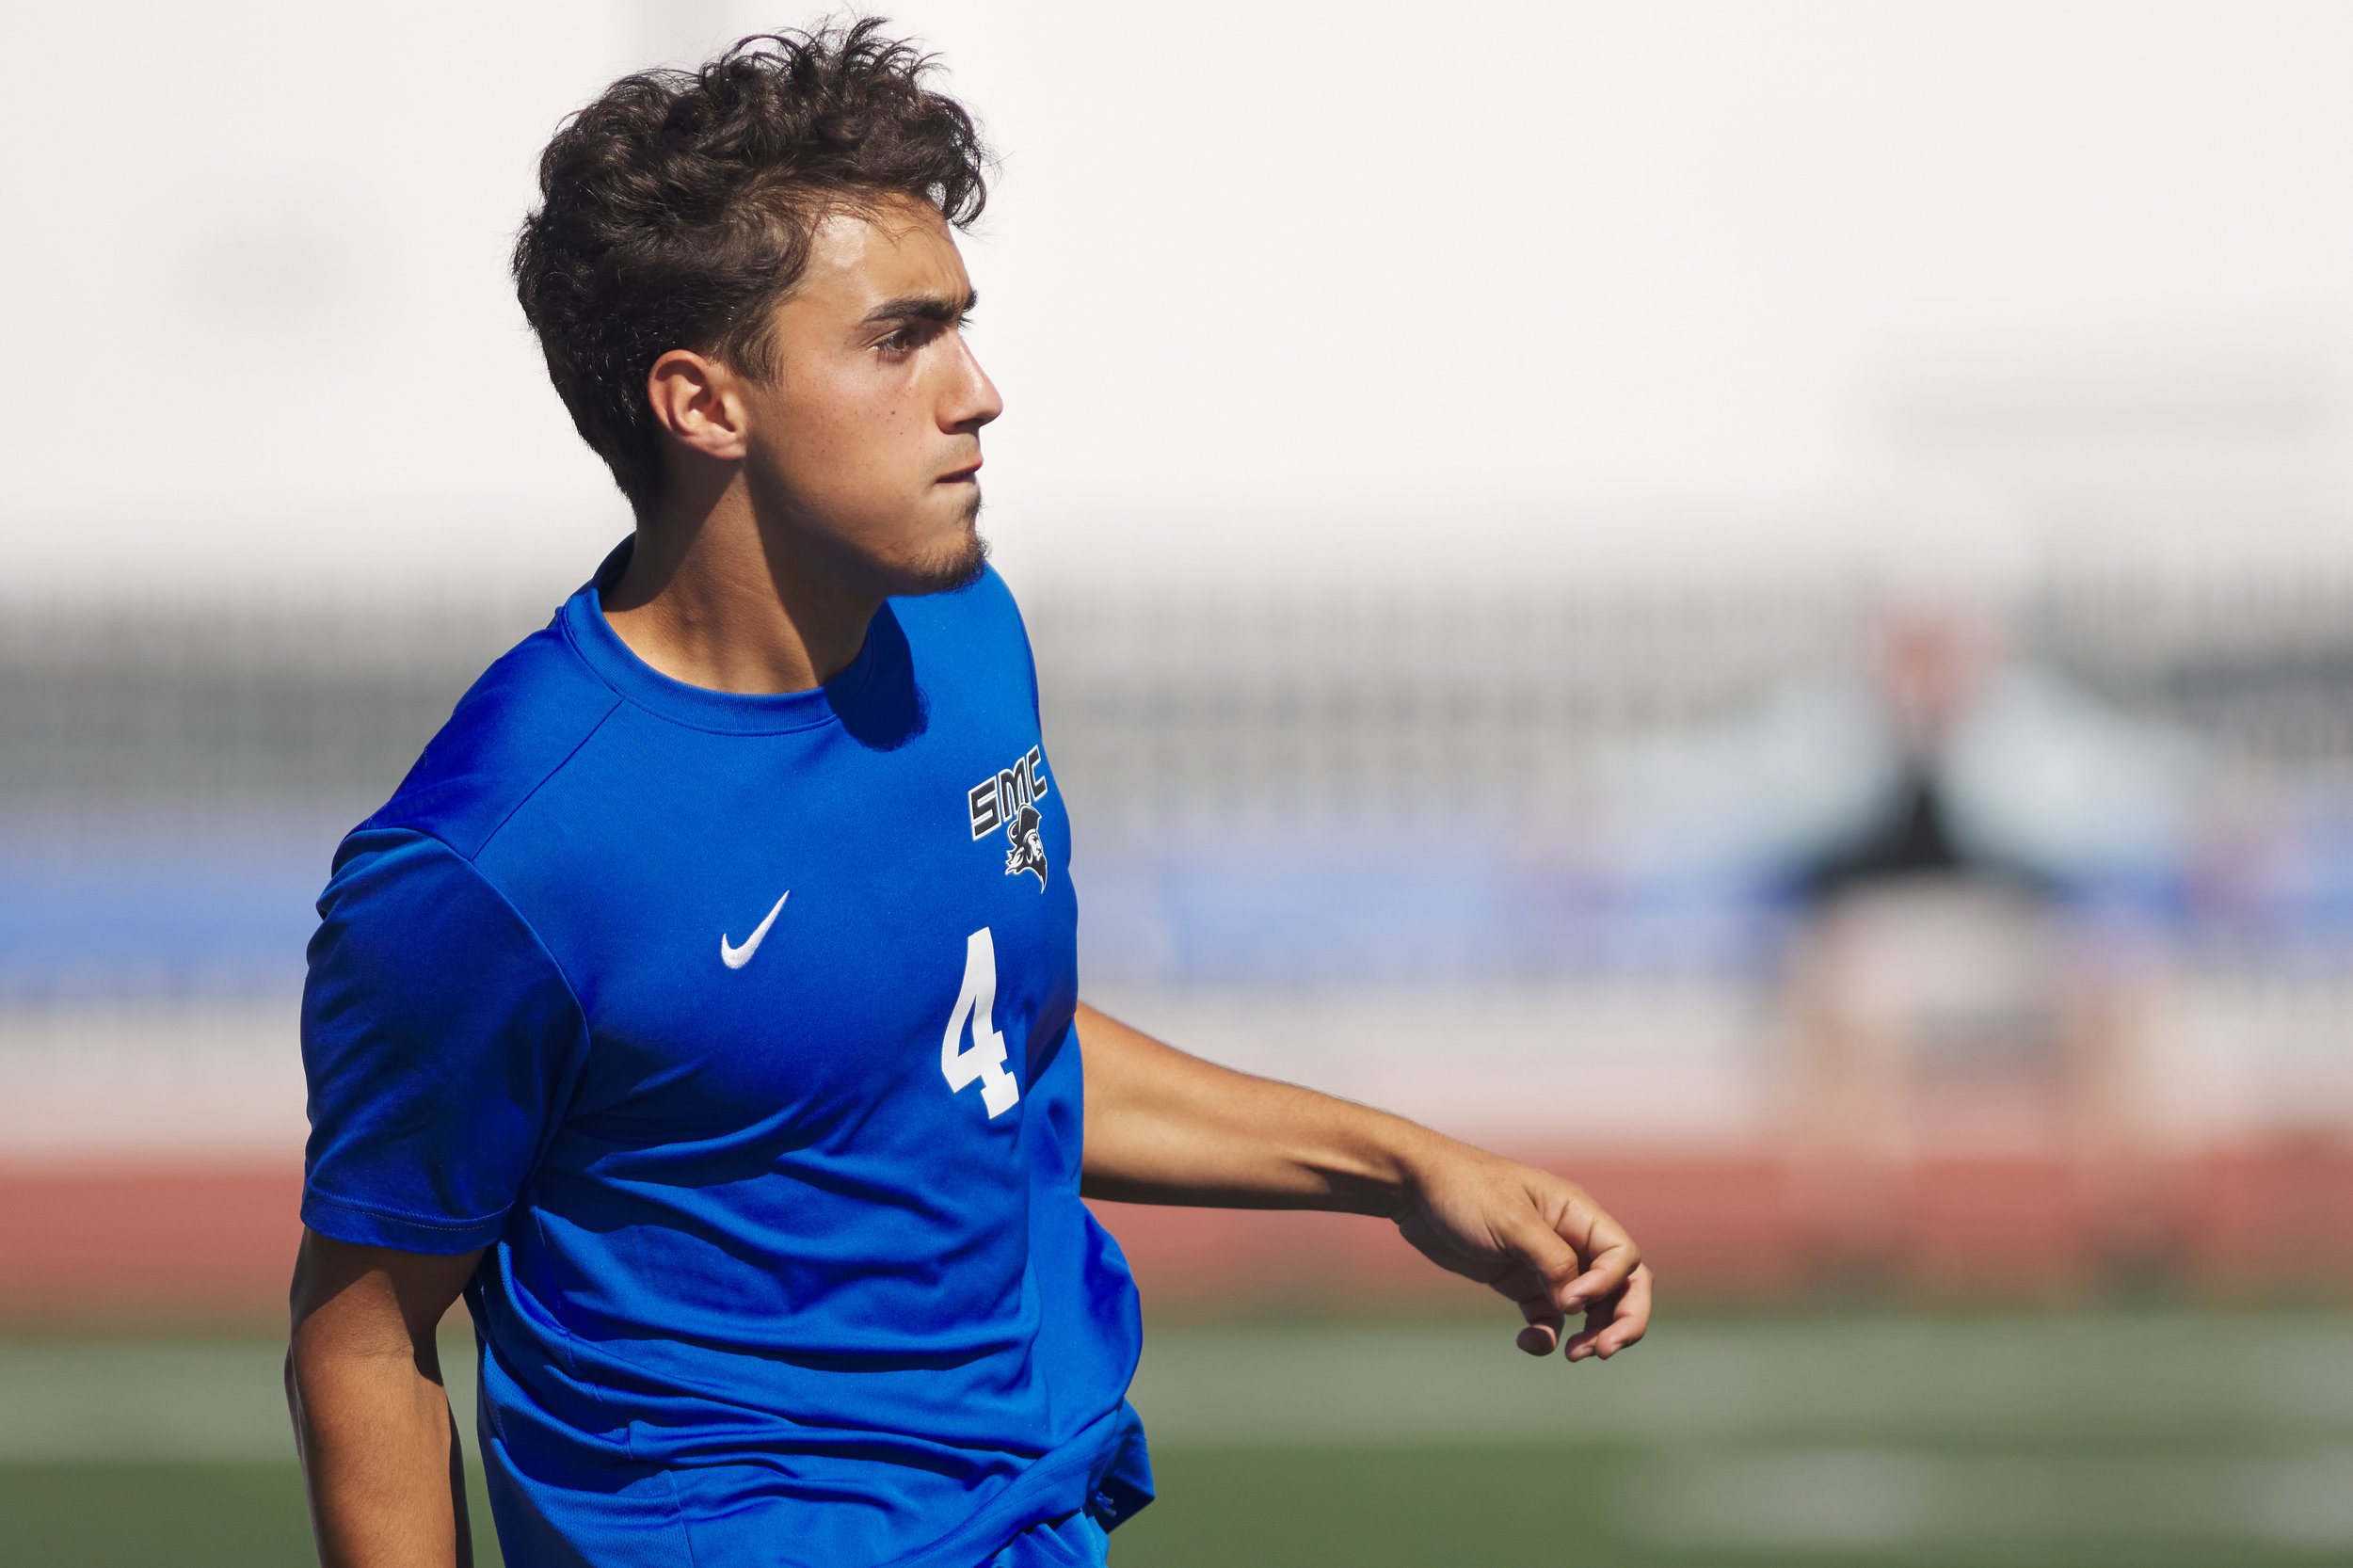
(1539,1240)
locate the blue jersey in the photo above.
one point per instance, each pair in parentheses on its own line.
(738,1030)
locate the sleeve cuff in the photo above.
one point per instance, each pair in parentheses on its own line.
(369,1227)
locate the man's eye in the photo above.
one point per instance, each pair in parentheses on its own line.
(909,338)
(916,333)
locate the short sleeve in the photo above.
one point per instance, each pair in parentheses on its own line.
(440,1043)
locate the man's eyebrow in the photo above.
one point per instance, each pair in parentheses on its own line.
(925,306)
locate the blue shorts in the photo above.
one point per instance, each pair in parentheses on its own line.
(1073,1541)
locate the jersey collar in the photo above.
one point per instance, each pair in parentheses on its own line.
(584,625)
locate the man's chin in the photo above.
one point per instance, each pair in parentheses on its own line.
(959,567)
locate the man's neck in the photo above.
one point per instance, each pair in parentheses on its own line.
(707,599)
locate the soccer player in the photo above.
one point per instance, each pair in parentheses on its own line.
(702,1007)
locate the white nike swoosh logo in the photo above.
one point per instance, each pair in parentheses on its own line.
(735,957)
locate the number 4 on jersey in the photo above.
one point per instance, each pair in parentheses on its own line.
(977,1002)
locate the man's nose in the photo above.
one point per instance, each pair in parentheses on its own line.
(973,401)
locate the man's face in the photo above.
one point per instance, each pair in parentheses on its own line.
(865,442)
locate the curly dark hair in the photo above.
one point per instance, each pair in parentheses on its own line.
(679,207)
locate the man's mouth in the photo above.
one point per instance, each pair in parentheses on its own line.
(962,476)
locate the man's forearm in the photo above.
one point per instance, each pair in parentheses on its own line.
(380,1459)
(1163,1126)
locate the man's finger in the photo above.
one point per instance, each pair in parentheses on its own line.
(1545,1322)
(1549,1257)
(1611,1325)
(1615,1257)
(1528,1290)
(1520,1283)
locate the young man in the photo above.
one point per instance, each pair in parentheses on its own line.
(702,1007)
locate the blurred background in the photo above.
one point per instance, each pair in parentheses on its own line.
(1750,601)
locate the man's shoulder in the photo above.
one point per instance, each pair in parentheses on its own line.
(976,631)
(983,608)
(520,721)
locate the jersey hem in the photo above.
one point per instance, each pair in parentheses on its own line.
(1032,1498)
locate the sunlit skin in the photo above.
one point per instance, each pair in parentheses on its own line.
(798,500)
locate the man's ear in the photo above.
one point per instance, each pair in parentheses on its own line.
(696,401)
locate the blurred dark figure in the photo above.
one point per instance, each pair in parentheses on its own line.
(1930,667)
(1948,1024)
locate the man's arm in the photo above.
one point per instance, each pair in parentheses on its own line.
(1162,1126)
(379,1450)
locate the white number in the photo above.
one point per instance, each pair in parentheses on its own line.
(977,1002)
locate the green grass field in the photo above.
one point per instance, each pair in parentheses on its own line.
(2144,1438)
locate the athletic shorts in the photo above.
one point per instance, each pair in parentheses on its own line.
(1073,1541)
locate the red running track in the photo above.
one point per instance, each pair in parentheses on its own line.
(134,1245)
